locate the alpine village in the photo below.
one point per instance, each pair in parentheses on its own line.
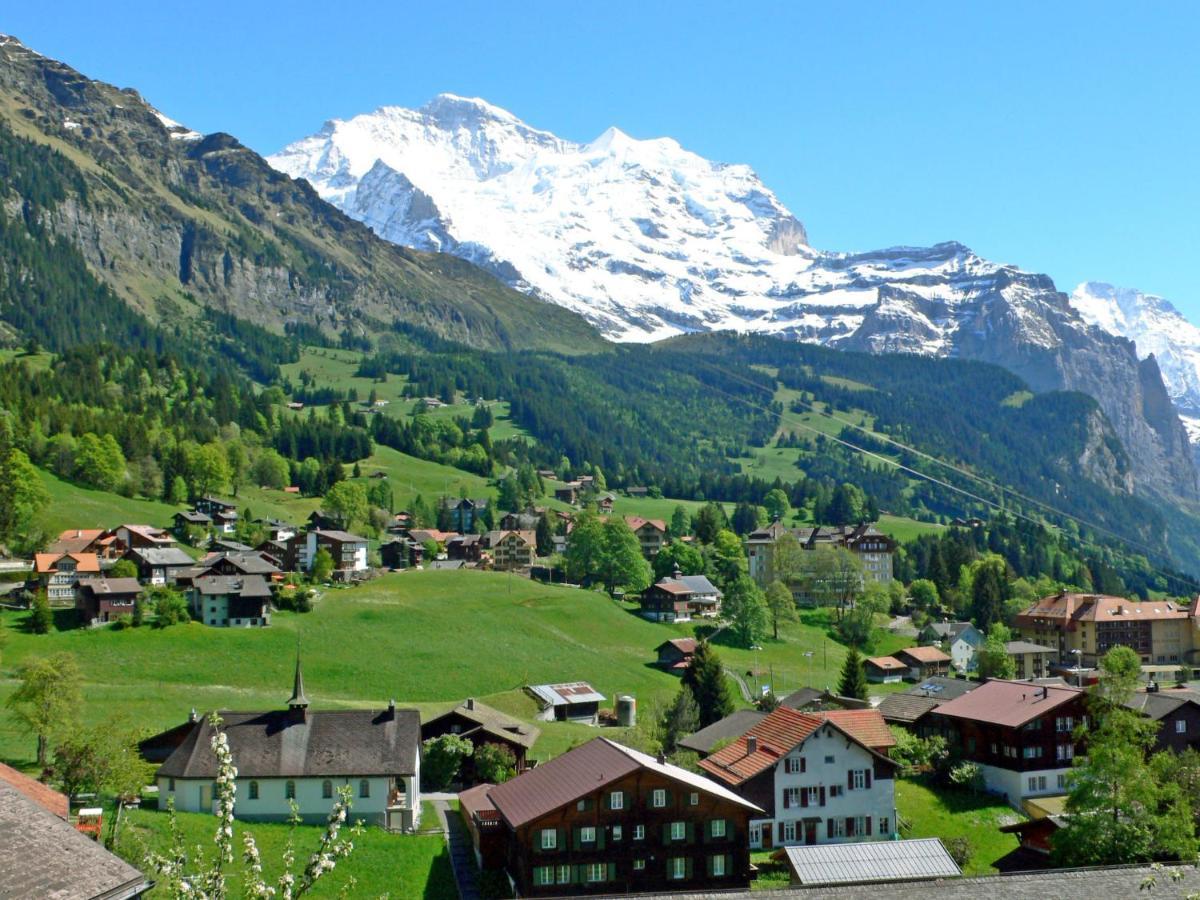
(337,562)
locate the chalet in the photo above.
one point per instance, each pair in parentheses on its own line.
(467,547)
(676,654)
(819,778)
(401,553)
(88,540)
(575,701)
(522,521)
(159,565)
(667,601)
(482,725)
(1177,713)
(231,601)
(214,506)
(464,514)
(277,529)
(511,549)
(56,573)
(142,537)
(604,503)
(1161,632)
(432,535)
(873,548)
(1021,734)
(349,551)
(300,755)
(651,534)
(722,731)
(805,699)
(100,600)
(960,639)
(568,492)
(1031,660)
(247,563)
(186,519)
(911,707)
(318,519)
(46,857)
(605,819)
(885,669)
(923,662)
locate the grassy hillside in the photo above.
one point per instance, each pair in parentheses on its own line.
(428,638)
(74,506)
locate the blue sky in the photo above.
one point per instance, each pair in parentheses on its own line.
(1058,136)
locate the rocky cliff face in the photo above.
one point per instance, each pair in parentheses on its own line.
(646,240)
(173,220)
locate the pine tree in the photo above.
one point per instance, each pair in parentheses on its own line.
(706,679)
(853,682)
(679,719)
(41,619)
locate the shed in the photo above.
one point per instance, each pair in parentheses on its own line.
(870,862)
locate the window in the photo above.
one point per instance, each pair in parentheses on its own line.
(717,828)
(789,831)
(597,872)
(659,798)
(838,827)
(326,790)
(616,832)
(859,779)
(364,788)
(1063,723)
(694,799)
(1065,751)
(1032,752)
(835,790)
(678,868)
(678,831)
(829,760)
(1180,726)
(564,874)
(254,790)
(883,825)
(791,797)
(170,784)
(549,839)
(639,865)
(543,874)
(289,790)
(584,804)
(814,796)
(587,835)
(860,825)
(794,765)
(639,832)
(616,800)
(1062,782)
(718,866)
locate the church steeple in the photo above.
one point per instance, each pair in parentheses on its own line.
(298,703)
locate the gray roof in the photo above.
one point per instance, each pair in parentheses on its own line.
(730,728)
(699,583)
(566,694)
(922,697)
(163,556)
(1156,704)
(278,744)
(224,585)
(105,586)
(871,861)
(1012,648)
(801,698)
(492,721)
(250,562)
(949,630)
(45,857)
(342,537)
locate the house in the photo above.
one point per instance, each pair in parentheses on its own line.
(142,537)
(56,573)
(46,857)
(1021,734)
(1032,660)
(231,601)
(401,553)
(1177,713)
(819,778)
(805,698)
(482,725)
(301,755)
(349,551)
(885,669)
(960,639)
(1036,838)
(277,529)
(511,549)
(873,548)
(186,519)
(910,708)
(923,662)
(651,534)
(667,601)
(676,654)
(464,514)
(1161,632)
(159,565)
(568,492)
(604,503)
(87,540)
(722,731)
(865,863)
(318,519)
(576,701)
(214,506)
(606,819)
(240,563)
(101,600)
(466,547)
(522,521)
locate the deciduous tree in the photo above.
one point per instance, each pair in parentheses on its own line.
(46,702)
(781,605)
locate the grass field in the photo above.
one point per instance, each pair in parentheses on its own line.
(73,506)
(400,866)
(949,814)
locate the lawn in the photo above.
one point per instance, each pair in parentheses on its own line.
(382,863)
(947,814)
(73,506)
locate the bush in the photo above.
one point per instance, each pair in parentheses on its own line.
(41,620)
(967,775)
(121,622)
(960,850)
(170,609)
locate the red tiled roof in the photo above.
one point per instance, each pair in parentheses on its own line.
(45,563)
(32,789)
(636,522)
(1007,703)
(475,800)
(683,645)
(1067,609)
(924,654)
(887,663)
(783,730)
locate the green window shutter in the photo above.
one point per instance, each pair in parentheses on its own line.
(708,866)
(690,832)
(600,837)
(688,868)
(612,871)
(576,874)
(561,843)
(575,835)
(666,833)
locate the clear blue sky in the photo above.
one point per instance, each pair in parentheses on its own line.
(1061,137)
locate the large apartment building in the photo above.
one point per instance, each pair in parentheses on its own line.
(1162,632)
(873,548)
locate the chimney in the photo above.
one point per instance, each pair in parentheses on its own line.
(391,710)
(751,745)
(662,758)
(193,717)
(470,703)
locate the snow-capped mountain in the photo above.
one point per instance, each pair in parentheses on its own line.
(646,240)
(1156,327)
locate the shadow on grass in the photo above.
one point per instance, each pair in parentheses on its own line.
(441,885)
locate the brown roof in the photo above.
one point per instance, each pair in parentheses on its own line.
(636,522)
(578,772)
(683,645)
(1008,703)
(1067,610)
(783,730)
(924,654)
(886,663)
(476,802)
(105,586)
(493,722)
(75,540)
(41,794)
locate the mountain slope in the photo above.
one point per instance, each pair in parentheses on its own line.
(174,222)
(646,240)
(1157,328)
